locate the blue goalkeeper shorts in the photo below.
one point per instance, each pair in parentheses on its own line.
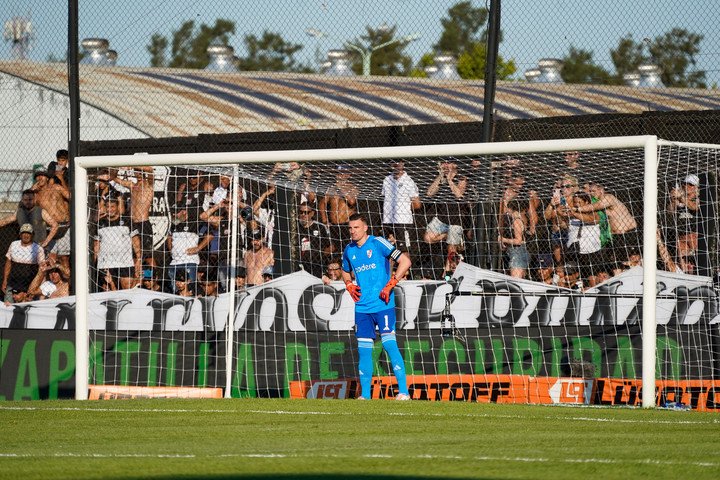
(365,323)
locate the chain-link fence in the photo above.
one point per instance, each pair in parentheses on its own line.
(292,73)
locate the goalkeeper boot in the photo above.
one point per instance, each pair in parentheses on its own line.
(402,397)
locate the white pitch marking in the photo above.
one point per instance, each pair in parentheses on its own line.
(399,414)
(482,458)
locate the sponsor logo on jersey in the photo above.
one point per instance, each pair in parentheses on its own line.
(363,268)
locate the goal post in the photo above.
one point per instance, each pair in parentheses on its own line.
(534,160)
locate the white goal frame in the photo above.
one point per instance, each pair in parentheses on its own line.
(648,143)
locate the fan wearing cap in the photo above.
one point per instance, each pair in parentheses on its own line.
(51,281)
(568,276)
(15,295)
(257,258)
(685,206)
(267,274)
(544,269)
(150,280)
(24,258)
(240,274)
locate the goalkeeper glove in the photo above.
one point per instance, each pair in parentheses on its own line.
(353,290)
(385,293)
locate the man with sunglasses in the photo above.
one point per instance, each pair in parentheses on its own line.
(314,240)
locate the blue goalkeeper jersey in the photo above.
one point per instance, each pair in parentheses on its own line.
(371,266)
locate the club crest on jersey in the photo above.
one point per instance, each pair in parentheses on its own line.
(369,253)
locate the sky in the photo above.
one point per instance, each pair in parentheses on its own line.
(531,29)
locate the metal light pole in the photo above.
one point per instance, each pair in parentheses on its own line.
(365,52)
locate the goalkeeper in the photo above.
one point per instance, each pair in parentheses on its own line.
(368,257)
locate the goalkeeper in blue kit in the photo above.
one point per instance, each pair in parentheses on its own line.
(368,259)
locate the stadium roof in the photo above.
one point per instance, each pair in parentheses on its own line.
(176,102)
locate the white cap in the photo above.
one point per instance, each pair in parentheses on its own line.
(693,180)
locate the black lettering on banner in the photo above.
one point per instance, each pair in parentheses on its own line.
(306,312)
(439,389)
(622,399)
(499,389)
(207,305)
(19,318)
(112,312)
(425,315)
(694,393)
(160,310)
(605,311)
(712,394)
(541,315)
(481,390)
(686,297)
(598,393)
(670,394)
(240,297)
(635,315)
(422,388)
(682,305)
(65,316)
(572,310)
(710,301)
(280,322)
(517,302)
(460,391)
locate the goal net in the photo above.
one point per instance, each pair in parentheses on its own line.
(573,270)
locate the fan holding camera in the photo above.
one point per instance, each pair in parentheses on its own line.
(218,216)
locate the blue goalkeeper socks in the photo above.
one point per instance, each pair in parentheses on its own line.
(365,366)
(396,360)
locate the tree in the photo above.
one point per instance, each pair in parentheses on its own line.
(157,48)
(189,46)
(426,60)
(674,52)
(461,29)
(271,53)
(389,60)
(471,64)
(578,67)
(627,57)
(465,38)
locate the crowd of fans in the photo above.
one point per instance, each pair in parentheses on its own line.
(575,236)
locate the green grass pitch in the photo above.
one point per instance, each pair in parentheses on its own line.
(285,439)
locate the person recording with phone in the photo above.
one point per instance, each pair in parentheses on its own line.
(564,189)
(218,216)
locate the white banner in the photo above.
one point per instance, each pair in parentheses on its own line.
(300,302)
